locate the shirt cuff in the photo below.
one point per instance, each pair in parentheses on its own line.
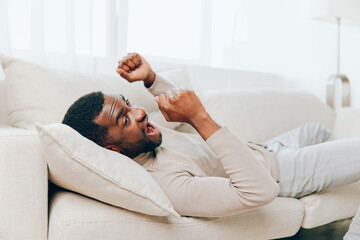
(160,85)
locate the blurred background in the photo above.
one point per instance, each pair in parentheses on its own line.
(276,36)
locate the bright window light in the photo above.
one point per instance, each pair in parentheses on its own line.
(223,15)
(169,29)
(55,26)
(99,27)
(19,21)
(82,27)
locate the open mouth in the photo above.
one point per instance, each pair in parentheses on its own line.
(151,129)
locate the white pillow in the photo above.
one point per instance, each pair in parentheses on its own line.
(80,165)
(39,94)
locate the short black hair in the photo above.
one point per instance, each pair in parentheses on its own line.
(81,114)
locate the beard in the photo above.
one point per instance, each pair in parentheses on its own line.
(151,145)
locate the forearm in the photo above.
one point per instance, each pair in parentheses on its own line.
(246,172)
(149,81)
(204,125)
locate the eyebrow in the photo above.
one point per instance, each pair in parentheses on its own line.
(121,111)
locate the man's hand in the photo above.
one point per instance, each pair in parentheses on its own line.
(184,106)
(134,67)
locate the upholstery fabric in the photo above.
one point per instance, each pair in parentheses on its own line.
(75,217)
(3,112)
(23,186)
(347,124)
(330,205)
(2,74)
(80,165)
(38,94)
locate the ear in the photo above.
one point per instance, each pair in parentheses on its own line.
(114,148)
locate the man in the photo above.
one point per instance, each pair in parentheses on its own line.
(216,174)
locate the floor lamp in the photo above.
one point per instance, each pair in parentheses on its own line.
(339,12)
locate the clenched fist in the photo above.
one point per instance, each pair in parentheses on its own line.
(180,105)
(134,67)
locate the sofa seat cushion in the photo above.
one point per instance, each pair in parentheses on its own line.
(23,185)
(331,205)
(73,216)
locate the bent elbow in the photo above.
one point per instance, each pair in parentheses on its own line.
(266,194)
(271,192)
(260,196)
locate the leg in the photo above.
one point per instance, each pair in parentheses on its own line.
(306,135)
(318,167)
(354,229)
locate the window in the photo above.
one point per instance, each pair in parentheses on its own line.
(170,29)
(181,31)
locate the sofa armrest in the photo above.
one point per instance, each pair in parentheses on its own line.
(347,123)
(23,185)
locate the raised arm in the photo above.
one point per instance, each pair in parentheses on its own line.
(134,67)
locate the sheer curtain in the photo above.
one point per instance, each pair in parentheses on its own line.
(5,46)
(90,35)
(62,34)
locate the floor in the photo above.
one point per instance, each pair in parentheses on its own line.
(332,231)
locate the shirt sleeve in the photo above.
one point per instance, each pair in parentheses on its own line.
(249,184)
(161,85)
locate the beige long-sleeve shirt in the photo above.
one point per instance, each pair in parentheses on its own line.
(218,177)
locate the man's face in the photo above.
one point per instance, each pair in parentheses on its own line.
(128,129)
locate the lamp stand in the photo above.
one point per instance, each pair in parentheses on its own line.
(331,92)
(331,86)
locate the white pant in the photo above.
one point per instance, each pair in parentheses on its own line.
(310,161)
(354,229)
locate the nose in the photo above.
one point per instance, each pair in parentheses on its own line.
(139,113)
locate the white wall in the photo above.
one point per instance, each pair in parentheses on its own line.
(283,38)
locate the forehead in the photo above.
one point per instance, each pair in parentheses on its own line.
(112,106)
(111,98)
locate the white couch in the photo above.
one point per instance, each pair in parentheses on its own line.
(29,210)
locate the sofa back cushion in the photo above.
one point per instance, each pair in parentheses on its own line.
(3,113)
(258,115)
(38,94)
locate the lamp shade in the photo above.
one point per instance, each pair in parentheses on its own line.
(329,10)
